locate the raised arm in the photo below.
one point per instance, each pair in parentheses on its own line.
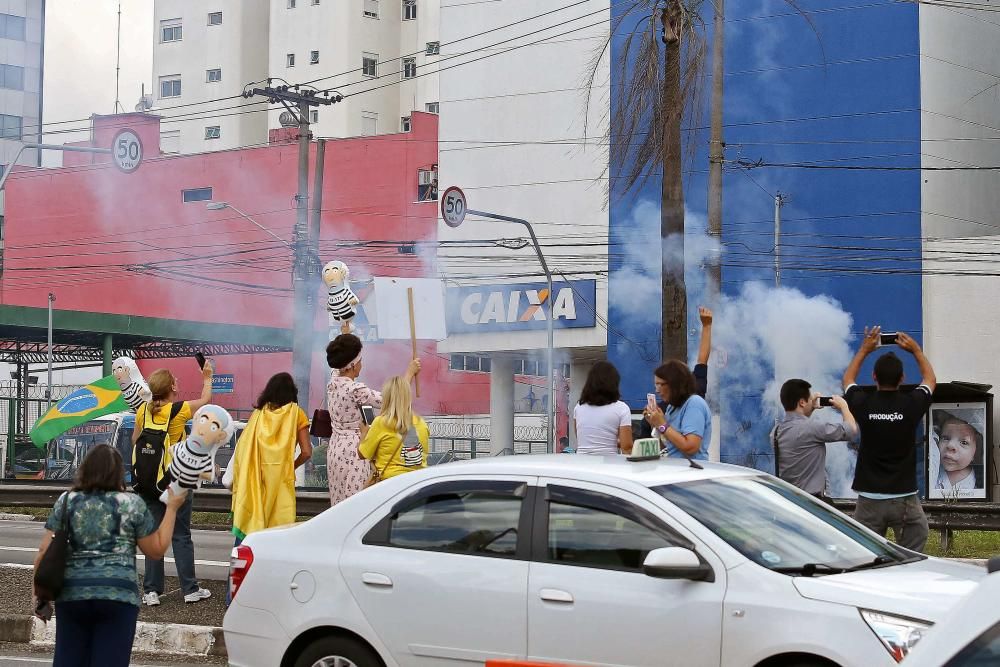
(927,376)
(206,387)
(868,345)
(705,346)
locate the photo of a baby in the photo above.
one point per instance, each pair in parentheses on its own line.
(957,456)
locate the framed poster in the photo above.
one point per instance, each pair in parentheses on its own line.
(956,452)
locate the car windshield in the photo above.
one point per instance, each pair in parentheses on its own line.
(780,527)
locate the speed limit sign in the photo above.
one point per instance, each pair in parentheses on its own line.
(126,151)
(453,206)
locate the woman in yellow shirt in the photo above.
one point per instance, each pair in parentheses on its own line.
(397,441)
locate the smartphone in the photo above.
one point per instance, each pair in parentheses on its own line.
(651,401)
(368,414)
(824,401)
(888,338)
(200,358)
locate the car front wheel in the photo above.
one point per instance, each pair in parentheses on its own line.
(337,652)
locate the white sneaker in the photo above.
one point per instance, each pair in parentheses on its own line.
(151,599)
(200,594)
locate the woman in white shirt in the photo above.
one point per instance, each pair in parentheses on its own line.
(602,421)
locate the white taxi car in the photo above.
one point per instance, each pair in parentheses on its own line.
(590,560)
(970,636)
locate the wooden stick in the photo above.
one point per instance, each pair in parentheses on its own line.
(413,337)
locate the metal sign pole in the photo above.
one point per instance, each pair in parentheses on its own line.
(549,321)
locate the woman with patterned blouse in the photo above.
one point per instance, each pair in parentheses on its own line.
(99,603)
(346,473)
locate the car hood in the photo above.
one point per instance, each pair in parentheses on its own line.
(924,590)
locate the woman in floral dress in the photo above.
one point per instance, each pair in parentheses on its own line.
(346,472)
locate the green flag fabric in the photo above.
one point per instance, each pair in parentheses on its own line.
(99,398)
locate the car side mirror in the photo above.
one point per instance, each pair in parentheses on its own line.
(677,563)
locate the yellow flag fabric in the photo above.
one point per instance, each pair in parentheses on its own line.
(264,474)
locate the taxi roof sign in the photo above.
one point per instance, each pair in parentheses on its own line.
(645,449)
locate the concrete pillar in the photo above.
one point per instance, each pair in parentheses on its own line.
(108,357)
(577,378)
(501,404)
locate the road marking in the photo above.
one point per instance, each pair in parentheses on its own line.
(209,563)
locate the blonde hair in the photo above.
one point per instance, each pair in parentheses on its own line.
(161,386)
(397,411)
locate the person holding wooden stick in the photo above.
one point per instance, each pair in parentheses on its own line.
(346,473)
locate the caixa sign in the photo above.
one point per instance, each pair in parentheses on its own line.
(520,307)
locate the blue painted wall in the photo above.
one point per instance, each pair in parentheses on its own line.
(849,97)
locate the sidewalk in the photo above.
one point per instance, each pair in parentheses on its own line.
(173,627)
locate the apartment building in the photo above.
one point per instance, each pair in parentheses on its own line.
(22,30)
(379,54)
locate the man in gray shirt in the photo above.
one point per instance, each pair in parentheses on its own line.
(800,442)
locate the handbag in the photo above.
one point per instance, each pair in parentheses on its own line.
(321,425)
(51,570)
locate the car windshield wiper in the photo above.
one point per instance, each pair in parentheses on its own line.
(881,561)
(810,569)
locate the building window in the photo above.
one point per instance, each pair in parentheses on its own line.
(469,362)
(433,48)
(170,141)
(213,132)
(315,2)
(409,10)
(197,194)
(427,184)
(170,86)
(12,27)
(369,64)
(170,31)
(290,60)
(432,107)
(12,77)
(291,4)
(314,115)
(369,123)
(404,124)
(215,18)
(10,127)
(213,75)
(314,57)
(371,8)
(409,69)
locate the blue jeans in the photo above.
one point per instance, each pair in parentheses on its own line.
(94,633)
(152,580)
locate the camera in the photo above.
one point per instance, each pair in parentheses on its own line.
(888,338)
(824,401)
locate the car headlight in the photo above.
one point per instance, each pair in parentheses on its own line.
(898,634)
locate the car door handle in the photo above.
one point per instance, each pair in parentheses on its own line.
(376,579)
(555,595)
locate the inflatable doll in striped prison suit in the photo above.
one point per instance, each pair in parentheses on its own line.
(340,300)
(135,391)
(194,458)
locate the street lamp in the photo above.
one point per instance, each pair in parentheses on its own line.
(220,205)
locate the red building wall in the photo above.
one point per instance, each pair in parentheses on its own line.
(105,241)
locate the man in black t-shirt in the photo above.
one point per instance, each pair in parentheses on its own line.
(888,419)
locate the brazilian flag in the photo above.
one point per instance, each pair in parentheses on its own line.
(99,398)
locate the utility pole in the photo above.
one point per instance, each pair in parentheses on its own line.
(716,149)
(299,101)
(48,391)
(779,201)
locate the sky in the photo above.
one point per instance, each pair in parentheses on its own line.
(80,56)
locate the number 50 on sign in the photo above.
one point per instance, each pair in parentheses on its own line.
(453,206)
(126,151)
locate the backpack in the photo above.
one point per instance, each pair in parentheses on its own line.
(149,456)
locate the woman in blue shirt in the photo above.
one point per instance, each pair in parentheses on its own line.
(685,429)
(99,603)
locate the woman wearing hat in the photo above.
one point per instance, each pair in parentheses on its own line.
(346,473)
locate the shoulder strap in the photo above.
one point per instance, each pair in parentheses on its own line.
(175,409)
(402,438)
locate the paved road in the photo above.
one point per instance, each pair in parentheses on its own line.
(19,542)
(17,658)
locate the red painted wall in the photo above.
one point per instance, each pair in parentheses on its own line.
(105,241)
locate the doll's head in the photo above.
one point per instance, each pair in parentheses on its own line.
(335,273)
(211,428)
(125,371)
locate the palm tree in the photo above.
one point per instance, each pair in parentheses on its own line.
(660,90)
